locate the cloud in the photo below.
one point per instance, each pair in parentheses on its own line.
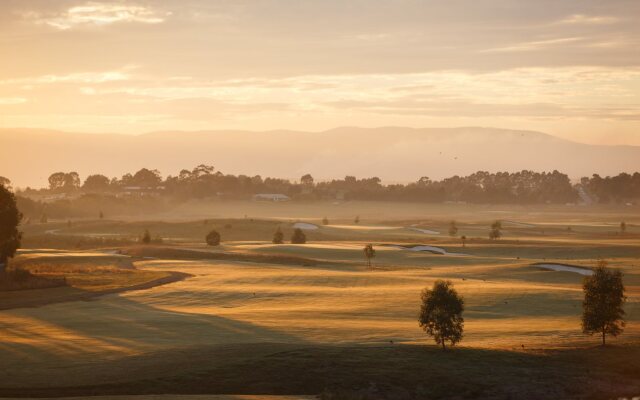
(534,45)
(12,100)
(581,19)
(99,14)
(72,78)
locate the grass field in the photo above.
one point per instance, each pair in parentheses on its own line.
(250,312)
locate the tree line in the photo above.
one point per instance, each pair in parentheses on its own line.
(203,181)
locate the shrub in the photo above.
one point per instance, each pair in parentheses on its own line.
(298,237)
(278,236)
(213,238)
(146,237)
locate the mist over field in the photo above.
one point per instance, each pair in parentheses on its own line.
(320,199)
(393,154)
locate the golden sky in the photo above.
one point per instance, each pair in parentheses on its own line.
(570,68)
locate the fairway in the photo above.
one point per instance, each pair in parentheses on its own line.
(316,297)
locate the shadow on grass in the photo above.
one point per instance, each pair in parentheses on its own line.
(380,372)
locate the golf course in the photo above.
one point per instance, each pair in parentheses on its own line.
(250,319)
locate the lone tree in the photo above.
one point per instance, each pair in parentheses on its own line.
(298,237)
(441,313)
(369,253)
(325,221)
(496,230)
(213,238)
(453,228)
(9,219)
(307,180)
(464,241)
(623,227)
(278,236)
(146,237)
(357,219)
(602,308)
(101,215)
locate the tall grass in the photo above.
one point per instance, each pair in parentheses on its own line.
(20,279)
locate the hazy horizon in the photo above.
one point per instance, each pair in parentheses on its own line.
(569,69)
(394,154)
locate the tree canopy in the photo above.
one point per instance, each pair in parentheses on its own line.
(369,253)
(278,236)
(603,303)
(9,219)
(441,313)
(298,237)
(213,238)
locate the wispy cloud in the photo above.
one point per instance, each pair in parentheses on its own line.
(12,100)
(534,45)
(79,77)
(99,14)
(581,19)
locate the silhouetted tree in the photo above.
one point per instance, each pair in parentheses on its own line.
(496,230)
(357,220)
(9,220)
(298,237)
(369,253)
(306,180)
(278,236)
(61,181)
(325,221)
(146,237)
(144,178)
(213,238)
(623,227)
(453,228)
(441,313)
(464,241)
(5,182)
(96,183)
(604,298)
(101,215)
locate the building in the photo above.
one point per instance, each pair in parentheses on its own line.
(276,197)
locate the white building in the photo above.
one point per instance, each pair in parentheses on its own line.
(270,197)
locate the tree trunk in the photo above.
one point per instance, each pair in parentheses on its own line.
(443,346)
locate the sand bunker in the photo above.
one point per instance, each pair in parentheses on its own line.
(429,249)
(566,268)
(365,227)
(305,226)
(519,224)
(426,231)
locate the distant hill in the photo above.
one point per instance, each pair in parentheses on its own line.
(395,154)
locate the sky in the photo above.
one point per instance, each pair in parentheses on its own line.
(569,68)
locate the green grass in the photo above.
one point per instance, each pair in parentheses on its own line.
(258,318)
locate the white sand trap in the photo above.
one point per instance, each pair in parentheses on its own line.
(305,226)
(429,249)
(425,231)
(565,268)
(520,224)
(365,227)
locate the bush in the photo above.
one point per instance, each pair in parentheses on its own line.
(298,237)
(213,238)
(278,236)
(20,279)
(146,237)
